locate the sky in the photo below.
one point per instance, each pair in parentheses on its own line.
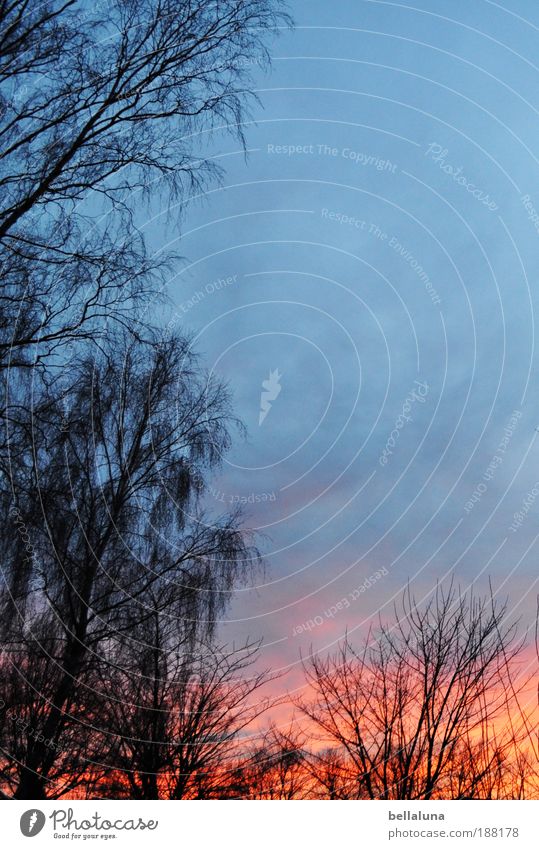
(368,273)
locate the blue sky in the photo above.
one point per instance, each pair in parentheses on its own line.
(376,247)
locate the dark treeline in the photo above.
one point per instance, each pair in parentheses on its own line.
(113,681)
(113,570)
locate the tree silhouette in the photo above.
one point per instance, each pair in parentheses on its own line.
(107,447)
(109,490)
(178,710)
(428,708)
(100,107)
(274,768)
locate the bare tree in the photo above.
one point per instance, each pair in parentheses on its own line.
(429,707)
(330,774)
(30,674)
(107,447)
(105,100)
(215,701)
(173,708)
(109,492)
(275,768)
